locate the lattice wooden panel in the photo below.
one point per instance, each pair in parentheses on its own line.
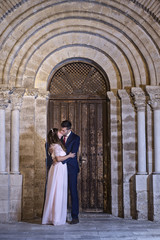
(78,77)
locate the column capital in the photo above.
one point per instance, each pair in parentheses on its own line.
(31,92)
(111,96)
(139,98)
(43,94)
(154,95)
(122,93)
(17,98)
(4,96)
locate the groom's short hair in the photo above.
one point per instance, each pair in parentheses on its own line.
(67,124)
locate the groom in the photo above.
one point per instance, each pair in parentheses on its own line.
(71,141)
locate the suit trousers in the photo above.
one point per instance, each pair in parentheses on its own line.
(72,182)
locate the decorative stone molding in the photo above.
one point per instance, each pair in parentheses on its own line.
(151,11)
(43,94)
(31,92)
(4,97)
(139,98)
(154,95)
(122,93)
(111,95)
(11,7)
(17,98)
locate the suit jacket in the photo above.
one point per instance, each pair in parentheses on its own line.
(72,145)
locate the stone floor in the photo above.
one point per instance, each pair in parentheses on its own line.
(91,226)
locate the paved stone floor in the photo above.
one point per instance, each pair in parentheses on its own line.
(91,226)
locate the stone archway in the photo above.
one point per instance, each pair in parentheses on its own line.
(36,36)
(78,92)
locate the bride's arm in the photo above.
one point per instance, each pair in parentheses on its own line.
(63,158)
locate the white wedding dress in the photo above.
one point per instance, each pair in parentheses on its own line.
(55,208)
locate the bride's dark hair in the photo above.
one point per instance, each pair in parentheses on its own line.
(53,138)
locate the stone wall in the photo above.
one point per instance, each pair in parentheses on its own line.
(134,193)
(36,37)
(32,152)
(115,156)
(22,179)
(128,151)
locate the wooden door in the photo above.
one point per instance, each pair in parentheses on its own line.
(87,117)
(78,93)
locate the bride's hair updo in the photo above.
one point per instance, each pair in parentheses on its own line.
(53,138)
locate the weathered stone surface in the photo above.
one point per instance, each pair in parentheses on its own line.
(122,39)
(4,200)
(141,182)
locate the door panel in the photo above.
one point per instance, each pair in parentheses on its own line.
(87,120)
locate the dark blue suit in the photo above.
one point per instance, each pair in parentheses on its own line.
(72,145)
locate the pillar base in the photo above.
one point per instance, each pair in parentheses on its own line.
(3,173)
(10,197)
(15,173)
(155,194)
(15,197)
(141,173)
(4,197)
(141,193)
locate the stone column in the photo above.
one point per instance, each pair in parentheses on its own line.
(4,98)
(15,178)
(16,101)
(140,104)
(4,189)
(154,102)
(141,189)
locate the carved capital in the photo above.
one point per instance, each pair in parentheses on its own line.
(139,98)
(43,94)
(111,96)
(17,98)
(4,96)
(31,92)
(123,95)
(154,95)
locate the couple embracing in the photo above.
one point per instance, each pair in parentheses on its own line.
(62,174)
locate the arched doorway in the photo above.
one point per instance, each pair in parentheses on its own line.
(78,93)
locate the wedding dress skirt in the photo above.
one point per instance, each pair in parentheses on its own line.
(55,208)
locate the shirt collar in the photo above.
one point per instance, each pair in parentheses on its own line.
(68,134)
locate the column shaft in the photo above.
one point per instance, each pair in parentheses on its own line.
(141,143)
(2,142)
(15,141)
(157,140)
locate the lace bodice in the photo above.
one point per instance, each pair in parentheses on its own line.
(57,151)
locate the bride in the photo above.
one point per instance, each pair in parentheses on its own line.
(55,207)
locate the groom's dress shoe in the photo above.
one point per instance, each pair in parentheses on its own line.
(74,221)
